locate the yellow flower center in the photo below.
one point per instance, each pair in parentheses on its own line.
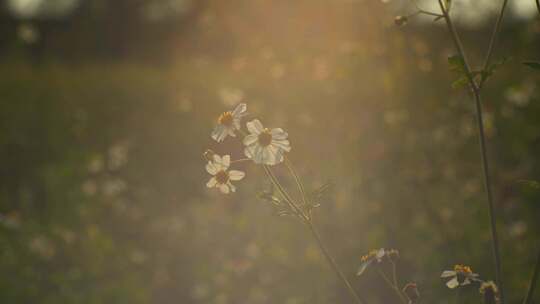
(368,256)
(265,138)
(462,269)
(222,177)
(226,118)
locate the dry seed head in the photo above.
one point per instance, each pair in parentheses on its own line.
(411,291)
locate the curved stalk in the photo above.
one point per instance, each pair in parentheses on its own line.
(393,286)
(298,181)
(534,278)
(333,263)
(482,138)
(307,220)
(494,35)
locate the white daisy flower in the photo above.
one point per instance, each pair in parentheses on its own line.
(228,122)
(265,146)
(461,275)
(222,177)
(375,255)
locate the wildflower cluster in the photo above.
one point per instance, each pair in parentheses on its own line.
(461,275)
(261,145)
(378,256)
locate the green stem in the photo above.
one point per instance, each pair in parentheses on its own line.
(393,286)
(284,193)
(333,263)
(483,150)
(314,232)
(493,39)
(532,282)
(298,181)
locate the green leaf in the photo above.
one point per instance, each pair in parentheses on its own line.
(532,64)
(460,82)
(488,72)
(530,183)
(457,64)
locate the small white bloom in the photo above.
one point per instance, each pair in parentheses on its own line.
(265,146)
(222,177)
(460,276)
(228,122)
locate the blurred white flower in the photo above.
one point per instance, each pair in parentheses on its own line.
(228,122)
(222,177)
(461,275)
(265,146)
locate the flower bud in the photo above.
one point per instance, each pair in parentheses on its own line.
(392,254)
(209,155)
(411,291)
(401,20)
(490,292)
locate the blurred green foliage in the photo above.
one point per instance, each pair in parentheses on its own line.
(102,192)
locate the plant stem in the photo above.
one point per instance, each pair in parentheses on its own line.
(393,286)
(284,193)
(487,183)
(298,181)
(493,39)
(532,282)
(307,220)
(333,263)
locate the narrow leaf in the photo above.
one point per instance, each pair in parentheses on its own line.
(532,64)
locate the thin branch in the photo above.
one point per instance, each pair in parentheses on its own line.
(393,286)
(298,180)
(494,36)
(534,278)
(313,231)
(333,263)
(481,134)
(430,13)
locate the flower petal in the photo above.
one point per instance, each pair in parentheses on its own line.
(282,144)
(448,273)
(453,283)
(258,154)
(236,123)
(220,133)
(250,139)
(236,175)
(273,155)
(224,188)
(232,187)
(278,133)
(225,161)
(212,168)
(255,127)
(363,267)
(249,151)
(239,110)
(212,182)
